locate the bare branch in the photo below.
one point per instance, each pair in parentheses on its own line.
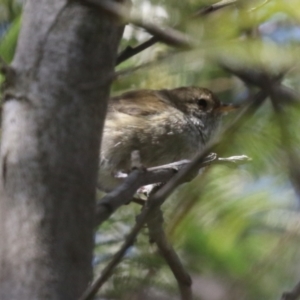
(167,35)
(292,295)
(166,250)
(259,6)
(256,77)
(130,70)
(234,160)
(221,4)
(130,52)
(211,8)
(123,194)
(107,271)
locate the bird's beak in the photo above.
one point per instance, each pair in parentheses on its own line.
(224,108)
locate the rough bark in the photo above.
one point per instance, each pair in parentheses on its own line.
(53,113)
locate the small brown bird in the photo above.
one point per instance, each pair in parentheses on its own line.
(164,125)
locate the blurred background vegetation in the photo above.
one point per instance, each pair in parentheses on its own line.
(235,229)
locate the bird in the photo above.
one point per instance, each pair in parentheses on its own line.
(164,125)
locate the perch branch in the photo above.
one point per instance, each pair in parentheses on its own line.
(138,177)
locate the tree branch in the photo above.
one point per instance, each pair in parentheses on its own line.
(167,35)
(139,177)
(214,7)
(130,52)
(294,294)
(157,235)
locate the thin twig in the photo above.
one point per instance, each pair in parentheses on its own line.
(130,52)
(259,6)
(157,235)
(124,193)
(251,76)
(211,8)
(167,35)
(294,294)
(127,71)
(139,177)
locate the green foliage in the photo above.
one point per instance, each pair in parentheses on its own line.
(9,10)
(9,41)
(11,14)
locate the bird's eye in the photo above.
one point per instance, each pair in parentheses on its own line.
(202,103)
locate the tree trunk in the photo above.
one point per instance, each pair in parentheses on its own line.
(53,114)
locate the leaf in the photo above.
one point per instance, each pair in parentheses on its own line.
(9,42)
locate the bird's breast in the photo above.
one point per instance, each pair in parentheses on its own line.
(160,139)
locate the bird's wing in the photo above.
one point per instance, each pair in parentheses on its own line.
(139,103)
